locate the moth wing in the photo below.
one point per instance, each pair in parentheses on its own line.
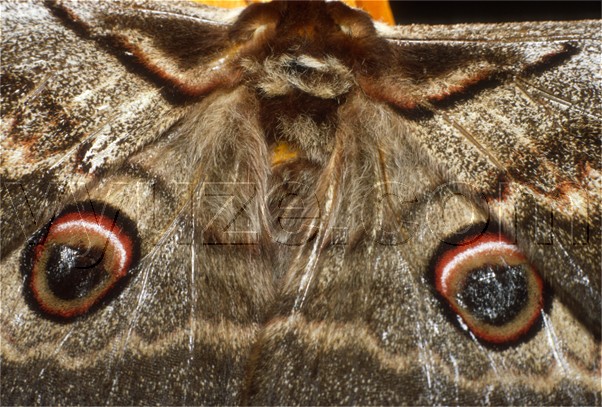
(84,126)
(184,46)
(69,114)
(529,142)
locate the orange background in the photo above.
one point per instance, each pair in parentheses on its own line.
(378,9)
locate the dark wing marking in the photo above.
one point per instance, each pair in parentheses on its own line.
(183,46)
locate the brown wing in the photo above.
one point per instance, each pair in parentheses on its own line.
(531,144)
(81,124)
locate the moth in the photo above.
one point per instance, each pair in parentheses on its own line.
(293,204)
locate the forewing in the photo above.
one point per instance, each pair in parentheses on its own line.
(182,45)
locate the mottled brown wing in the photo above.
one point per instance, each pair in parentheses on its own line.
(531,143)
(81,123)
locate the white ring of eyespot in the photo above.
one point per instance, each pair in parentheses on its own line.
(474,251)
(94,227)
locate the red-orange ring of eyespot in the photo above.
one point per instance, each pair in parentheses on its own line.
(469,244)
(89,221)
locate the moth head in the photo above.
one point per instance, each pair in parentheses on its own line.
(315,47)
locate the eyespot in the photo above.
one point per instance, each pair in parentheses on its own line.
(78,259)
(490,284)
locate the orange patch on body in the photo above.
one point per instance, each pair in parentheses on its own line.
(283,152)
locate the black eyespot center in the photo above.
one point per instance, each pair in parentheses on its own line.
(494,294)
(74,272)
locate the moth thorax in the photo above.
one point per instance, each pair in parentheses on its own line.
(325,77)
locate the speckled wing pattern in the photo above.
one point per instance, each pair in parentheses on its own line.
(348,316)
(79,124)
(531,145)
